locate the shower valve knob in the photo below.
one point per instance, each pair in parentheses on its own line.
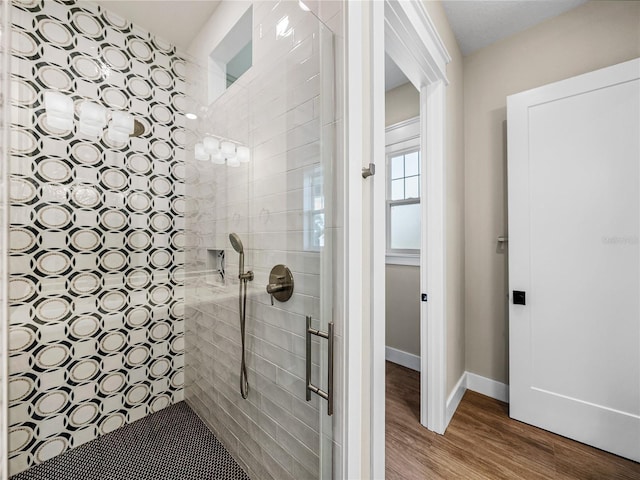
(280,284)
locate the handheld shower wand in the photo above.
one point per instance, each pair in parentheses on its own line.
(244,277)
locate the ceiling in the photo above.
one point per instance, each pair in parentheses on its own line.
(476,23)
(479,23)
(393,76)
(177,22)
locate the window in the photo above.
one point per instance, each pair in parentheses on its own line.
(232,57)
(313,209)
(403,193)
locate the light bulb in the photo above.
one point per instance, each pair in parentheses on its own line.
(244,154)
(211,145)
(200,152)
(217,158)
(59,108)
(228,148)
(93,118)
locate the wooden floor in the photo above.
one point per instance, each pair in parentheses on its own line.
(482,442)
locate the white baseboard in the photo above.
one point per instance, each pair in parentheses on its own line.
(475,383)
(456,396)
(488,387)
(403,358)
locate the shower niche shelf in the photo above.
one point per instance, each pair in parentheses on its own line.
(215,268)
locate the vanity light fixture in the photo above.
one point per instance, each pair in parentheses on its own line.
(92,118)
(221,151)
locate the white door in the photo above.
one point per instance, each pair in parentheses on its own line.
(574,208)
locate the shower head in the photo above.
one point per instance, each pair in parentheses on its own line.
(236,243)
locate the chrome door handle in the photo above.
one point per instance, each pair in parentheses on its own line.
(328,395)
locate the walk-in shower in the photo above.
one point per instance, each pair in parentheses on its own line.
(126,332)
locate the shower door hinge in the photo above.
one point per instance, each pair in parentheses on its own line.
(371,170)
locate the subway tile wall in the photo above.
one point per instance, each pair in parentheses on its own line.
(96,239)
(283,206)
(4,219)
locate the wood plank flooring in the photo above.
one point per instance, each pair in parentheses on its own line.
(482,442)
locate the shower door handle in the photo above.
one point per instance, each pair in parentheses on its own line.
(328,395)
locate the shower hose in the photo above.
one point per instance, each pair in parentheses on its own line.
(242,307)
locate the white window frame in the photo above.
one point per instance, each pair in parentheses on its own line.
(400,138)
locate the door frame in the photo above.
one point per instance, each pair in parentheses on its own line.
(412,41)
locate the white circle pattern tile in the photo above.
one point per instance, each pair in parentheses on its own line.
(84,370)
(98,232)
(54,216)
(115,58)
(138,356)
(55,33)
(54,78)
(51,402)
(21,240)
(140,49)
(87,24)
(21,289)
(85,240)
(86,153)
(114,98)
(85,327)
(20,338)
(52,356)
(20,388)
(86,67)
(22,43)
(51,448)
(137,317)
(53,263)
(112,423)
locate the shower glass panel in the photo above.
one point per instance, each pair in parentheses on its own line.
(279,203)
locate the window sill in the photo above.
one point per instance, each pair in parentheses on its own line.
(407,259)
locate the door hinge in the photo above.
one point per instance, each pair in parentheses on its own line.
(423,297)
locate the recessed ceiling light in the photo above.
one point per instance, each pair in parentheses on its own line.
(191,116)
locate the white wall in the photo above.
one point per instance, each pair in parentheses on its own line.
(592,36)
(403,308)
(401,103)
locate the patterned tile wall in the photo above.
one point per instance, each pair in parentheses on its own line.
(96,239)
(281,108)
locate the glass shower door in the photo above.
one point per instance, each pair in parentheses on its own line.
(278,203)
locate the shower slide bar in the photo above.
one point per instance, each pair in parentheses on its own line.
(328,395)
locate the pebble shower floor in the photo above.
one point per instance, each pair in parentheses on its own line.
(172,444)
